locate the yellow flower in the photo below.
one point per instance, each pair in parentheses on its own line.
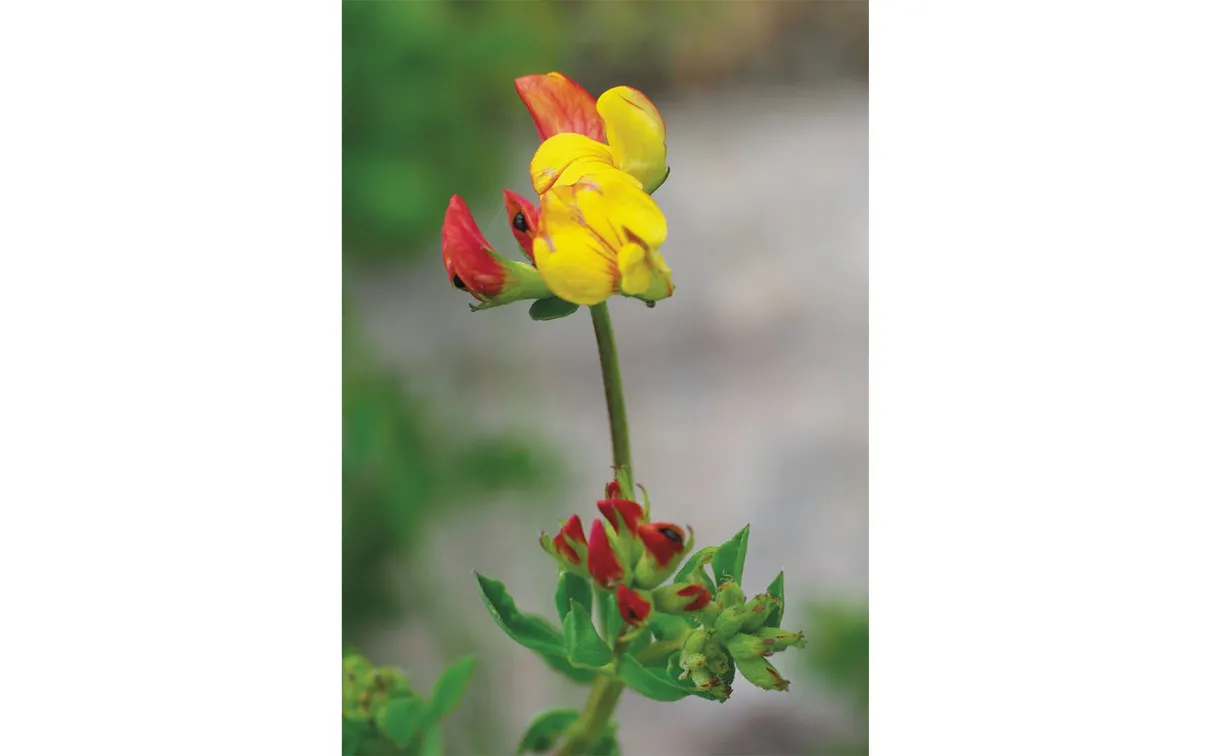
(622,129)
(600,235)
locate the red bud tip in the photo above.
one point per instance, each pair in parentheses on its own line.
(619,511)
(633,607)
(664,540)
(603,564)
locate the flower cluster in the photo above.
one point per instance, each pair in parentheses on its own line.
(627,553)
(733,630)
(595,231)
(723,631)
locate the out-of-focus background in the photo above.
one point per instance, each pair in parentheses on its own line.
(465,434)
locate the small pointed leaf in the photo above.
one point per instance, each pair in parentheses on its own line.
(728,561)
(572,587)
(584,646)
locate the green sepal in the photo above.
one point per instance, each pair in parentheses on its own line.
(551,308)
(534,632)
(544,731)
(584,646)
(728,561)
(572,587)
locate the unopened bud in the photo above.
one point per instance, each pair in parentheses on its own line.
(761,673)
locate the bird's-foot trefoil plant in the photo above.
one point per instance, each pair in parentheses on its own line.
(637,607)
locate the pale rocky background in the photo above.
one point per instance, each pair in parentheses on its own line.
(747,395)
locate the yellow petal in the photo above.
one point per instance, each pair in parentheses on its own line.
(614,206)
(636,272)
(635,131)
(661,286)
(575,266)
(564,158)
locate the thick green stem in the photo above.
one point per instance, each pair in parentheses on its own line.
(606,689)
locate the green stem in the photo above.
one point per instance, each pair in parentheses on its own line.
(606,689)
(615,401)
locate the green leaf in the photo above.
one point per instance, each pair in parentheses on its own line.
(449,689)
(703,556)
(778,590)
(651,684)
(572,587)
(551,308)
(400,719)
(607,612)
(583,644)
(431,744)
(534,632)
(729,559)
(545,729)
(351,734)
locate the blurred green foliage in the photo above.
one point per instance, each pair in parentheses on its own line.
(429,109)
(381,715)
(839,653)
(401,466)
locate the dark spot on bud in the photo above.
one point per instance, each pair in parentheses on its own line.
(671,535)
(519,222)
(458,283)
(650,305)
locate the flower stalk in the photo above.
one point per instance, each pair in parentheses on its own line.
(606,689)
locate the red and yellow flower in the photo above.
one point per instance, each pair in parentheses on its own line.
(599,232)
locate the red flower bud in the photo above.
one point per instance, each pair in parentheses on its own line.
(523,220)
(469,259)
(613,490)
(679,597)
(619,511)
(700,594)
(572,531)
(664,547)
(663,540)
(603,564)
(633,607)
